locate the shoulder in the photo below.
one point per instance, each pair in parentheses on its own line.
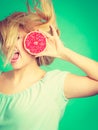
(57,73)
(3,77)
(54,83)
(56,77)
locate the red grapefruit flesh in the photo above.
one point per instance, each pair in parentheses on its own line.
(35,42)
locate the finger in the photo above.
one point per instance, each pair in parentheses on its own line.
(45,33)
(53,30)
(38,55)
(43,53)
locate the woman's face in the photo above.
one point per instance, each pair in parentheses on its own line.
(20,57)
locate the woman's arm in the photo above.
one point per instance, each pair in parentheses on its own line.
(75,86)
(89,66)
(80,86)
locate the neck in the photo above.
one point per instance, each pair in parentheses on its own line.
(30,73)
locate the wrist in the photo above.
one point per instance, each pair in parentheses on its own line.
(64,54)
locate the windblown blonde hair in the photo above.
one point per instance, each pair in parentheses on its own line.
(38,18)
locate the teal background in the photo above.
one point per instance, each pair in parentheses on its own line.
(78,23)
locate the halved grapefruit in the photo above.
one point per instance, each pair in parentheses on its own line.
(35,42)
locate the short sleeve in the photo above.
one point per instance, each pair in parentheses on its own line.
(55,84)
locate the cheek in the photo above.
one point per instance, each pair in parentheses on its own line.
(21,46)
(25,53)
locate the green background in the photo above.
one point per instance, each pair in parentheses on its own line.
(78,23)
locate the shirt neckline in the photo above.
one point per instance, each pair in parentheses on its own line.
(24,90)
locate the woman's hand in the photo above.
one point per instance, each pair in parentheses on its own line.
(54,45)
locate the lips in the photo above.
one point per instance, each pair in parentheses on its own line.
(15,57)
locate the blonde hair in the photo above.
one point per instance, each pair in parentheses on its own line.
(39,18)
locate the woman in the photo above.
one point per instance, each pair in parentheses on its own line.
(30,98)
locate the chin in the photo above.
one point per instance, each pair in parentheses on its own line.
(17,66)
